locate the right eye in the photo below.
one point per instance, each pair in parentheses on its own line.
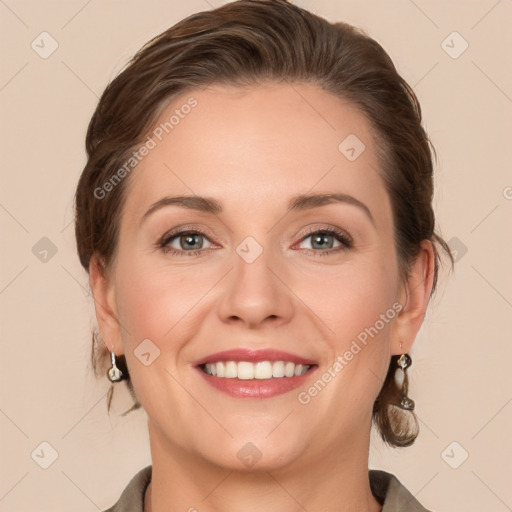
(185,240)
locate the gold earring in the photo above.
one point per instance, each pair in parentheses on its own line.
(404,362)
(114,374)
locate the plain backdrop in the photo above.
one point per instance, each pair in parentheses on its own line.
(455,54)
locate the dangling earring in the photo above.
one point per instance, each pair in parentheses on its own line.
(404,361)
(114,374)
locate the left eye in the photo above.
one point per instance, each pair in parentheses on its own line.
(324,239)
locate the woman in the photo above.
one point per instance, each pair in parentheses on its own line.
(256,219)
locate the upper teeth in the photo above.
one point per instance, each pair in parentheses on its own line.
(261,370)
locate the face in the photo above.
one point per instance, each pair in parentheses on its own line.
(257,270)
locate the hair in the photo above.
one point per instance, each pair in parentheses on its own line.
(249,43)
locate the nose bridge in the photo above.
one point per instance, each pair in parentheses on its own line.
(255,292)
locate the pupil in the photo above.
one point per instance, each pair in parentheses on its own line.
(320,237)
(190,239)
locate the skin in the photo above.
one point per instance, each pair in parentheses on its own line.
(252,149)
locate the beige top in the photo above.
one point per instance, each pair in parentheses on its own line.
(386,488)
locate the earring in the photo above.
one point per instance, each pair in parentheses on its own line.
(114,374)
(404,361)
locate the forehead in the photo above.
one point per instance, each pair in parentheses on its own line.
(256,146)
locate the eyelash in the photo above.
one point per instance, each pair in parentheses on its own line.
(345,240)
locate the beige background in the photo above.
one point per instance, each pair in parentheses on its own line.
(461,378)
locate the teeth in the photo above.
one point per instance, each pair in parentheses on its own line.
(245,370)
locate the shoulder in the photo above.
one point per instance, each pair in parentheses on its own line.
(392,493)
(132,498)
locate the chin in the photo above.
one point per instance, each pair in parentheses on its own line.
(256,453)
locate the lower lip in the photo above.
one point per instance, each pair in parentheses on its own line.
(256,388)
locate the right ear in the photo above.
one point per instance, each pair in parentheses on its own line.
(103,290)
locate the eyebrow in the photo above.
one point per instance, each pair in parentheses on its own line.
(297,203)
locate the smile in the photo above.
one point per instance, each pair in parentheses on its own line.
(250,373)
(246,370)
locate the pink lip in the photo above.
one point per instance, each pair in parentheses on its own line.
(256,388)
(264,388)
(253,356)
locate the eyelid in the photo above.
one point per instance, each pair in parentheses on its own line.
(208,233)
(327,227)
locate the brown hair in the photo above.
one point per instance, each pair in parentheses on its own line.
(249,42)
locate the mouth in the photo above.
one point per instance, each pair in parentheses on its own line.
(246,373)
(246,370)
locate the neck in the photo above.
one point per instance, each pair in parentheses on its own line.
(147,499)
(337,482)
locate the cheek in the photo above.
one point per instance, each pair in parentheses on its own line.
(153,300)
(140,305)
(359,308)
(353,299)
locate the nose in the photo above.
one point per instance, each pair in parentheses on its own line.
(256,293)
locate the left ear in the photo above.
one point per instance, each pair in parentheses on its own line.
(414,299)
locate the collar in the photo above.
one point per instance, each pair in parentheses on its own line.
(386,488)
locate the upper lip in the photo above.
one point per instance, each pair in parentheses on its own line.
(253,355)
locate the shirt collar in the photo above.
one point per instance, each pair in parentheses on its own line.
(386,488)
